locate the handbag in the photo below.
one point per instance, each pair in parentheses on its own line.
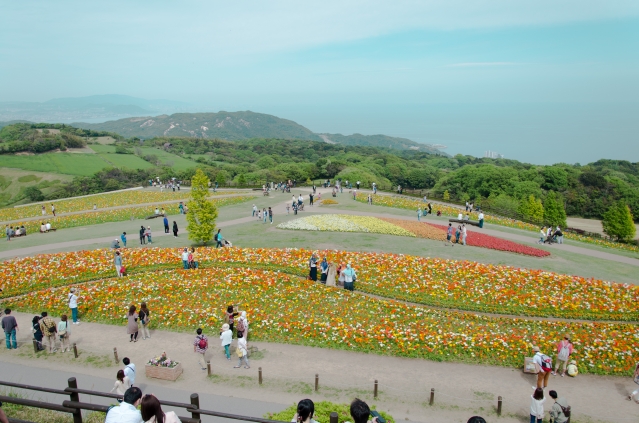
(239,352)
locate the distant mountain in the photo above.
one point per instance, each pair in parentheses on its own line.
(91,108)
(239,126)
(224,125)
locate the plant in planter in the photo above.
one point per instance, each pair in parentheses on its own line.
(163,367)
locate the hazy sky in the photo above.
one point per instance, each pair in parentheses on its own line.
(313,57)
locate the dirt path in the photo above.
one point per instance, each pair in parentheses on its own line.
(461,390)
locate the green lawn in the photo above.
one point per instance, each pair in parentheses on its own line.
(178,163)
(125,160)
(102,148)
(65,163)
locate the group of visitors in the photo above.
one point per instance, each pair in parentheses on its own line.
(189,258)
(44,227)
(459,232)
(150,408)
(427,210)
(12,232)
(342,275)
(548,235)
(45,328)
(264,214)
(136,321)
(201,341)
(44,210)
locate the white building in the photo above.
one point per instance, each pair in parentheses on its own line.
(493,155)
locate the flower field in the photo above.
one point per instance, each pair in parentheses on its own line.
(278,309)
(121,198)
(404,203)
(387,226)
(447,283)
(344,223)
(477,239)
(118,215)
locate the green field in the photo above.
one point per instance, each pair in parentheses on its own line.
(178,163)
(76,164)
(14,181)
(125,160)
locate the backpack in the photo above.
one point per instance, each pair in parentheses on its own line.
(546,363)
(202,344)
(241,327)
(564,352)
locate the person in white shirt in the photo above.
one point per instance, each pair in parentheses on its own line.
(122,383)
(227,338)
(481,219)
(48,225)
(460,216)
(463,234)
(127,411)
(129,369)
(537,406)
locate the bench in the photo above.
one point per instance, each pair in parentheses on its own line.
(18,236)
(153,216)
(468,222)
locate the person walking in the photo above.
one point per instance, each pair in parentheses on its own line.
(148,235)
(44,210)
(151,410)
(117,261)
(564,349)
(123,238)
(449,234)
(242,352)
(49,330)
(464,233)
(175,229)
(142,235)
(481,219)
(165,220)
(226,335)
(145,317)
(559,235)
(457,234)
(634,396)
(219,238)
(543,365)
(349,277)
(10,327)
(264,214)
(419,214)
(185,258)
(7,231)
(37,332)
(122,383)
(200,345)
(53,209)
(310,199)
(254,210)
(73,305)
(129,369)
(229,316)
(64,333)
(270,214)
(312,263)
(242,326)
(560,411)
(132,324)
(537,406)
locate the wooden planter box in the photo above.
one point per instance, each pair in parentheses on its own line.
(163,372)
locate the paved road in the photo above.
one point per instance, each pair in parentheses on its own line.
(57,379)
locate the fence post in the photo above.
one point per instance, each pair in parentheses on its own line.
(334,417)
(115,354)
(259,371)
(35,346)
(499,405)
(208,368)
(195,401)
(316,381)
(432,396)
(375,390)
(74,396)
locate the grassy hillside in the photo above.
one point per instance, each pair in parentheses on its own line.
(65,163)
(223,125)
(380,141)
(13,182)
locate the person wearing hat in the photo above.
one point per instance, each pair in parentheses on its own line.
(115,243)
(543,374)
(226,335)
(564,349)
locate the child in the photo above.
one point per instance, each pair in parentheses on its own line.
(288,208)
(572,368)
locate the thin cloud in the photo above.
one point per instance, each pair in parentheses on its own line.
(480,64)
